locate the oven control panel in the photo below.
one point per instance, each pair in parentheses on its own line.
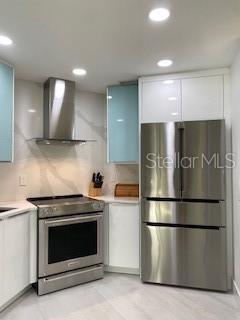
(49,212)
(70,209)
(97,206)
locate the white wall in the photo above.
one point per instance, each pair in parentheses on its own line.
(235,79)
(54,170)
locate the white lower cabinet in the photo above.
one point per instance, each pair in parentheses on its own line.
(1,265)
(122,246)
(18,255)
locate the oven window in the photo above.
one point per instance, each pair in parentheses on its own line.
(72,241)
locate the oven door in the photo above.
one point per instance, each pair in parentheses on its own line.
(69,243)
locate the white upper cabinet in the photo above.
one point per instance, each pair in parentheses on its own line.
(182,97)
(202,98)
(160,101)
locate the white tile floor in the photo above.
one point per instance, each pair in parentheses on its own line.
(121,297)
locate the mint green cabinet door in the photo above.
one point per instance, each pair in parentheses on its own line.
(123,124)
(6,112)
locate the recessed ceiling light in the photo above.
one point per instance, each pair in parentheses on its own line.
(172,98)
(165,63)
(5,41)
(168,81)
(175,113)
(79,72)
(159,14)
(31,110)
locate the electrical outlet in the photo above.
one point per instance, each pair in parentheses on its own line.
(22,180)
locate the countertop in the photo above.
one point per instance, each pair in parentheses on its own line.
(112,199)
(19,207)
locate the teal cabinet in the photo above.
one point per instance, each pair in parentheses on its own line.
(122,112)
(6,112)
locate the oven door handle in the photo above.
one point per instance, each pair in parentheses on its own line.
(86,218)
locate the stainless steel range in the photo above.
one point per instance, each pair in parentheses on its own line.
(70,241)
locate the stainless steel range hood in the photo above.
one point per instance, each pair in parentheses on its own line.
(59,97)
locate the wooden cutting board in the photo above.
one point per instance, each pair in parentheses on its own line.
(126,190)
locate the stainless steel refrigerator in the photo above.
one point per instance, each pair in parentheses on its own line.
(183,236)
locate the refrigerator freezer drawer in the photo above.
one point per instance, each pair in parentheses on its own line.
(184,213)
(190,257)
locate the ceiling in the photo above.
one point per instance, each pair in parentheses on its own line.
(114,39)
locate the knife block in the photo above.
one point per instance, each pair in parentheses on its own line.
(94,192)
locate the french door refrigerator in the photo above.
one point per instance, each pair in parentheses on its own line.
(183,236)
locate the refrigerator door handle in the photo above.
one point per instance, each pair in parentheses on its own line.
(185,226)
(181,162)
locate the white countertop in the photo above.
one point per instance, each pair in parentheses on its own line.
(19,207)
(112,199)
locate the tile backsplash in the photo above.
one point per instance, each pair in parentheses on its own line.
(119,173)
(52,170)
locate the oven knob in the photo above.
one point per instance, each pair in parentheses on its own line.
(97,206)
(48,211)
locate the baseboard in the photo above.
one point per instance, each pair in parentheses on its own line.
(236,289)
(122,270)
(16,297)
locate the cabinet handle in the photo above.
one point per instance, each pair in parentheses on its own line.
(124,203)
(83,218)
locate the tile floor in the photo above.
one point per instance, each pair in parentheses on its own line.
(121,297)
